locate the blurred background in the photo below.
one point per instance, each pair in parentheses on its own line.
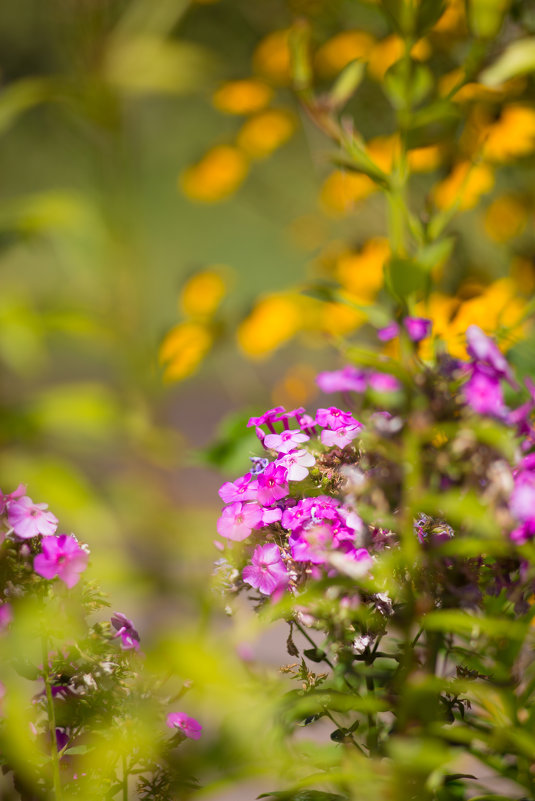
(169,218)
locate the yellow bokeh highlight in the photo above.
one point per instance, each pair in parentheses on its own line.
(216,176)
(513,135)
(271,58)
(274,320)
(183,349)
(296,388)
(265,132)
(425,159)
(464,186)
(362,273)
(386,52)
(242,97)
(202,293)
(453,20)
(338,319)
(343,48)
(505,218)
(383,150)
(343,189)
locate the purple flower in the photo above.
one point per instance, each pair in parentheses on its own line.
(417,328)
(268,418)
(243,489)
(341,436)
(522,503)
(238,520)
(482,349)
(270,516)
(286,441)
(267,572)
(349,379)
(5,500)
(484,394)
(273,484)
(388,332)
(297,464)
(383,382)
(335,418)
(125,630)
(188,726)
(28,519)
(6,615)
(62,557)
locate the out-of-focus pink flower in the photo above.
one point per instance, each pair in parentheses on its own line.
(383,382)
(388,332)
(417,328)
(126,631)
(267,571)
(484,351)
(349,379)
(484,394)
(5,500)
(6,615)
(188,726)
(238,520)
(62,557)
(29,519)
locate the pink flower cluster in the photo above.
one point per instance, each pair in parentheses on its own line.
(61,556)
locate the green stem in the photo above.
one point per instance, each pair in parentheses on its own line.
(58,792)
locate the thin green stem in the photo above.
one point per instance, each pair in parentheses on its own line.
(58,792)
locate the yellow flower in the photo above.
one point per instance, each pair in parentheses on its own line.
(273,321)
(183,349)
(337,52)
(342,189)
(362,274)
(216,176)
(425,159)
(512,135)
(271,58)
(338,319)
(202,293)
(265,132)
(385,53)
(464,186)
(383,150)
(505,218)
(453,20)
(242,97)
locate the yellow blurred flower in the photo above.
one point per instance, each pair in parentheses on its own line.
(273,321)
(242,97)
(337,52)
(362,273)
(505,218)
(338,319)
(265,132)
(297,386)
(512,135)
(216,176)
(183,349)
(271,58)
(383,150)
(385,53)
(425,159)
(342,189)
(202,293)
(464,186)
(453,20)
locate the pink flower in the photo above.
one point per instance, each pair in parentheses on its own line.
(238,520)
(383,382)
(335,418)
(188,726)
(270,516)
(125,630)
(5,500)
(297,464)
(341,436)
(482,349)
(243,489)
(286,441)
(28,519)
(6,615)
(388,332)
(62,557)
(272,484)
(267,572)
(484,394)
(417,328)
(349,379)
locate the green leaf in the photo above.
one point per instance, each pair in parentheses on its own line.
(346,84)
(429,12)
(517,59)
(436,253)
(406,277)
(412,92)
(300,60)
(485,17)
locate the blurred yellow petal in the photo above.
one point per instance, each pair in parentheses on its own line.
(202,293)
(464,186)
(421,50)
(337,52)
(183,349)
(453,20)
(217,176)
(383,54)
(273,321)
(362,273)
(242,97)
(342,189)
(265,132)
(513,135)
(384,150)
(505,218)
(338,319)
(425,159)
(271,58)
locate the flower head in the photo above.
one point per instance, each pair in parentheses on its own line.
(126,631)
(267,571)
(238,520)
(417,328)
(29,519)
(62,557)
(188,726)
